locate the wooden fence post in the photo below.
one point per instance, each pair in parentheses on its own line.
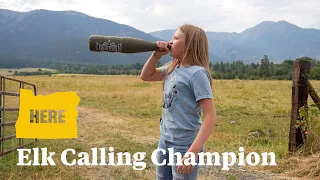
(300,77)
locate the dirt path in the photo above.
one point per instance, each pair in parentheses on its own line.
(104,121)
(97,120)
(237,173)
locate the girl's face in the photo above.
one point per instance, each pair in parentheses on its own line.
(177,44)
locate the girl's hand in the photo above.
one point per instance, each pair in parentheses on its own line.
(187,169)
(162,49)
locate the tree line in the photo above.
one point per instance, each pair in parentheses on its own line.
(219,70)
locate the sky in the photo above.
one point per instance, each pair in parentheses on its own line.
(211,15)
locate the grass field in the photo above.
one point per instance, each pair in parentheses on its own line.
(123,112)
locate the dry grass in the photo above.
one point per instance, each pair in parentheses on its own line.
(300,165)
(307,167)
(304,163)
(123,112)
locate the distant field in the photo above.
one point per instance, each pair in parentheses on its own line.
(123,112)
(82,75)
(8,72)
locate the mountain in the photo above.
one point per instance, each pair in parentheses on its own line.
(279,40)
(164,34)
(63,35)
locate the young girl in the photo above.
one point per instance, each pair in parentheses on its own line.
(187,92)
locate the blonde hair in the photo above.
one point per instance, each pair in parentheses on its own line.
(196,50)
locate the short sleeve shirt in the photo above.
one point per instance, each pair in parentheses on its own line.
(181,111)
(164,68)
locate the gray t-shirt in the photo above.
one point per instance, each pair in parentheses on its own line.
(181,111)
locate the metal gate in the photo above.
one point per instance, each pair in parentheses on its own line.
(4,109)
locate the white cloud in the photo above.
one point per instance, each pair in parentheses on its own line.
(211,15)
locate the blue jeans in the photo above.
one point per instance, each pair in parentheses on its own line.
(167,172)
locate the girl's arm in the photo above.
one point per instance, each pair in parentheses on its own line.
(149,71)
(209,112)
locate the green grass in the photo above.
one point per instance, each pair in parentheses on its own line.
(129,109)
